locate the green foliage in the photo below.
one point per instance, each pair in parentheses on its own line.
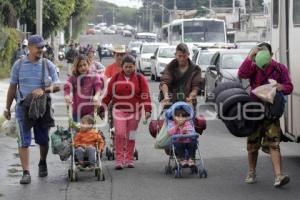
(7,52)
(123,15)
(80,18)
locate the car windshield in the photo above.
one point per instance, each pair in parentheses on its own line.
(149,48)
(233,60)
(204,59)
(167,53)
(133,45)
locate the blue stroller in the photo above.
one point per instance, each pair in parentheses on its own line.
(174,167)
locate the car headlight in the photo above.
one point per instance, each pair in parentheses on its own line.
(146,60)
(162,65)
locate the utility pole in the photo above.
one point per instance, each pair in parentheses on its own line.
(150,18)
(39,17)
(209,4)
(162,12)
(71,27)
(114,15)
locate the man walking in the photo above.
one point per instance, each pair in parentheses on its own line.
(32,77)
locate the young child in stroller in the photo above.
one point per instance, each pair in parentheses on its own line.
(85,142)
(181,123)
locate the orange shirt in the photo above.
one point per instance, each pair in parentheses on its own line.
(112,69)
(89,138)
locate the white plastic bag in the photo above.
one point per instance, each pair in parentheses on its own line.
(10,128)
(266,92)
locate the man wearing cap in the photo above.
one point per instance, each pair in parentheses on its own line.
(181,79)
(31,76)
(259,67)
(119,53)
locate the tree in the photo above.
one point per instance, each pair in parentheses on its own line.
(80,17)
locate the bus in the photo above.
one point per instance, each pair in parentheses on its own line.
(285,30)
(196,30)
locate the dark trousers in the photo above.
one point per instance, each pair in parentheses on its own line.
(182,148)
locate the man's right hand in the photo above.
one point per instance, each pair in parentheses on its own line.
(7,114)
(254,52)
(165,102)
(68,100)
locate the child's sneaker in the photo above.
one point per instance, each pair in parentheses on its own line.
(251,177)
(191,163)
(184,163)
(118,167)
(281,180)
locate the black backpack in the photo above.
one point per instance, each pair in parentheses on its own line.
(275,111)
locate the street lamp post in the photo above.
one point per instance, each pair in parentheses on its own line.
(163,7)
(211,11)
(39,17)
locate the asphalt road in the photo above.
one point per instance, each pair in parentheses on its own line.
(224,156)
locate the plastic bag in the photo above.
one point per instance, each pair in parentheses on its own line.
(163,139)
(10,127)
(266,92)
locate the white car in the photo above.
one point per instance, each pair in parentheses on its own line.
(144,58)
(109,31)
(162,57)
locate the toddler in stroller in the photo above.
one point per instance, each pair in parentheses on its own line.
(185,148)
(184,141)
(88,144)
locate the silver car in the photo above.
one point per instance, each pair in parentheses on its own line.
(223,67)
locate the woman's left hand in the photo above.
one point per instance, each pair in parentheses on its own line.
(95,100)
(147,115)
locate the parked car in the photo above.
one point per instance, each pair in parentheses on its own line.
(90,29)
(106,50)
(143,60)
(223,67)
(161,58)
(126,33)
(134,47)
(246,44)
(98,30)
(109,31)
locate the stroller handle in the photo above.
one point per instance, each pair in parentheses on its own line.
(180,136)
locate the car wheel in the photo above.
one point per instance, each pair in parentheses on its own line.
(156,77)
(240,127)
(222,96)
(237,99)
(226,85)
(152,77)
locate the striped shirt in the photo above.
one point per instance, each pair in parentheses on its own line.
(29,76)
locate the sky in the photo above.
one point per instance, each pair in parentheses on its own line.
(129,3)
(135,3)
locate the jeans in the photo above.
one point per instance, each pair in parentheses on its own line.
(90,151)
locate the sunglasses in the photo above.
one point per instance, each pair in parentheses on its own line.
(120,54)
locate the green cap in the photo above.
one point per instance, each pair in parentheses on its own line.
(262,58)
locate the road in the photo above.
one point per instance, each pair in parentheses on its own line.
(224,156)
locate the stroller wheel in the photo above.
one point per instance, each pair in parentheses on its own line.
(194,170)
(168,170)
(100,175)
(177,174)
(136,154)
(202,173)
(72,175)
